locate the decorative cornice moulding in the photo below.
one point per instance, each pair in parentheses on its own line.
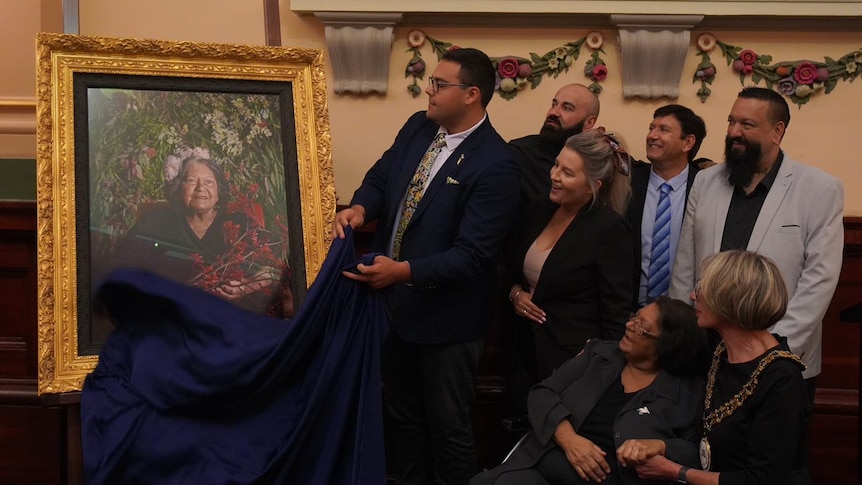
(766,8)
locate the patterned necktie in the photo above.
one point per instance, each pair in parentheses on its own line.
(416,189)
(659,261)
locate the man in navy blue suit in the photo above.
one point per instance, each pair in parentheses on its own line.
(437,270)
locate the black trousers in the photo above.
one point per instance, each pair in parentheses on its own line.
(550,355)
(810,388)
(428,391)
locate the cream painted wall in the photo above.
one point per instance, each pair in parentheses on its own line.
(363,126)
(19,24)
(18,27)
(225,21)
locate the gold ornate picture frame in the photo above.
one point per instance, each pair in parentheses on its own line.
(115,120)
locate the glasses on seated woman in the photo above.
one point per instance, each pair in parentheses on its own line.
(587,419)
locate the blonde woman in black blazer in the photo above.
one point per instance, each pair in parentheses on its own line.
(573,257)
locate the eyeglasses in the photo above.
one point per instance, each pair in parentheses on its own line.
(639,326)
(698,293)
(436,84)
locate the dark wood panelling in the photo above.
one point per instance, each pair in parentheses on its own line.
(32,436)
(31,451)
(833,449)
(17,290)
(840,339)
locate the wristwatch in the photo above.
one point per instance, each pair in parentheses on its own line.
(680,478)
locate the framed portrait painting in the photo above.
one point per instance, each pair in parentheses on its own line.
(206,164)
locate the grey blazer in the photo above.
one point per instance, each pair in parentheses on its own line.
(800,227)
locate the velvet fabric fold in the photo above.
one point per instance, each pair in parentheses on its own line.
(192,389)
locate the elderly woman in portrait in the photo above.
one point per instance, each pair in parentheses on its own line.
(191,238)
(753,424)
(569,261)
(616,405)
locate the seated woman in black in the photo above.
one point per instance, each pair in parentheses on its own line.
(615,405)
(753,425)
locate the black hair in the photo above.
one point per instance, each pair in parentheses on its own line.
(476,70)
(778,108)
(682,347)
(690,123)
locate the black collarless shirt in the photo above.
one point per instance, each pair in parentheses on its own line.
(744,210)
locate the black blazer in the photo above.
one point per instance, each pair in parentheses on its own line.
(669,409)
(635,212)
(453,239)
(585,285)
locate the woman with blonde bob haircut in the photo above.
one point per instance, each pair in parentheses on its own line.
(754,409)
(745,288)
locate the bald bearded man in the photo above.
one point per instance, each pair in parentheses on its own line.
(574,109)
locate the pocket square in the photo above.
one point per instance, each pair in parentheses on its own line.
(450,180)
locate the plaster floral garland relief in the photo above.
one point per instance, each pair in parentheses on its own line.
(797,80)
(515,73)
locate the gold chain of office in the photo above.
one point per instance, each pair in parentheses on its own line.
(734,403)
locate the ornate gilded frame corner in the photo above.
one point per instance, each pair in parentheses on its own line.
(61,367)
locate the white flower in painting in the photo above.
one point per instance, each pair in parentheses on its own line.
(241,108)
(172,167)
(170,136)
(258,130)
(201,152)
(224,136)
(183,152)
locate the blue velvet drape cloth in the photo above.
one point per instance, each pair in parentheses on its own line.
(190,389)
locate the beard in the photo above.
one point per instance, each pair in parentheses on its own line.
(555,136)
(742,166)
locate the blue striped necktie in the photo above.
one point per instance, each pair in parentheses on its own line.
(416,189)
(659,261)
